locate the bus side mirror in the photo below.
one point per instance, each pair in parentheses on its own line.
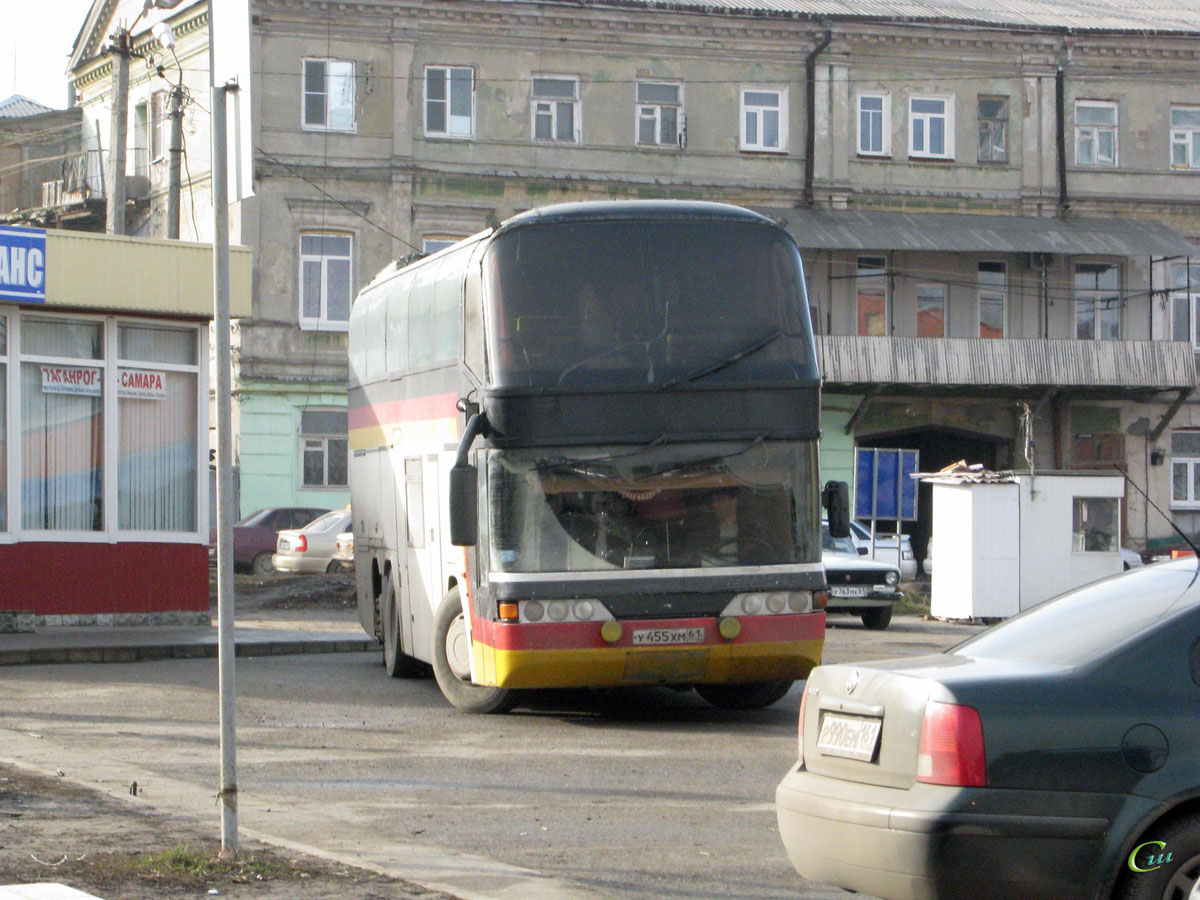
(464,505)
(836,500)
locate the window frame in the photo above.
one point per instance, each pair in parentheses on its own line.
(981,290)
(1076,534)
(1188,136)
(944,290)
(447,101)
(554,111)
(983,121)
(305,125)
(322,322)
(324,437)
(947,117)
(640,107)
(744,143)
(442,241)
(885,123)
(1096,298)
(879,272)
(1189,293)
(1095,131)
(1191,463)
(160,125)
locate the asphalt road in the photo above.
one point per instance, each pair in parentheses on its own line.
(646,795)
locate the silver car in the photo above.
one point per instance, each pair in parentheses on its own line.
(310,549)
(885,549)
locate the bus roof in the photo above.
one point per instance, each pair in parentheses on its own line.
(601,210)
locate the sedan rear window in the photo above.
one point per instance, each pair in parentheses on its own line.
(1081,625)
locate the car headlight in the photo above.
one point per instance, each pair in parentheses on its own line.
(893,577)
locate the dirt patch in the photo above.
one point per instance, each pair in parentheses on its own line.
(56,831)
(289,592)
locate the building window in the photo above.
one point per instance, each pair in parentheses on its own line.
(328,99)
(449,101)
(138,161)
(556,110)
(157,427)
(874,125)
(871,283)
(993,297)
(1096,525)
(659,114)
(3,423)
(931,310)
(764,119)
(1185,469)
(160,124)
(434,244)
(993,129)
(931,127)
(1097,301)
(1185,303)
(323,446)
(1185,137)
(325,288)
(1095,133)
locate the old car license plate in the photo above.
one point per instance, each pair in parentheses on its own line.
(668,636)
(849,591)
(853,737)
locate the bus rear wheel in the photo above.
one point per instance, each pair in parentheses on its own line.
(748,695)
(452,663)
(397,663)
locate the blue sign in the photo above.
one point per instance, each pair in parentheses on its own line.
(23,264)
(883,488)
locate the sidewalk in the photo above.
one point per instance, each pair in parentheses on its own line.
(261,633)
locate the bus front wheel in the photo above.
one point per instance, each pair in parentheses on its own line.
(749,695)
(452,663)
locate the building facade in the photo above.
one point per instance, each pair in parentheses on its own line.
(997,208)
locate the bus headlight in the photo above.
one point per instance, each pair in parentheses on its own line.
(583,610)
(758,603)
(559,610)
(776,602)
(587,609)
(532,611)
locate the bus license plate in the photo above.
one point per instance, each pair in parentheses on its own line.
(661,636)
(849,591)
(851,737)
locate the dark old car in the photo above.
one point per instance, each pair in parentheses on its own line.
(1055,756)
(254,536)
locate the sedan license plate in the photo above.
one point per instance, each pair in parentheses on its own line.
(849,591)
(852,737)
(661,636)
(285,544)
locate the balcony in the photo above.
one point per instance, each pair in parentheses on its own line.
(954,364)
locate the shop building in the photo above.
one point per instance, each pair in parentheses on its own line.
(104,463)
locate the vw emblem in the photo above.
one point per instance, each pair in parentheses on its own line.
(852,681)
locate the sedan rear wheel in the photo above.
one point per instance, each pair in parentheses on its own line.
(1165,865)
(262,564)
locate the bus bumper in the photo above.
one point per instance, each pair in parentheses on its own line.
(554,655)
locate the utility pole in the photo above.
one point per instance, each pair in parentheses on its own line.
(175,151)
(115,210)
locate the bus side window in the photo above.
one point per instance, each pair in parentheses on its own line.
(358,344)
(446,292)
(473,351)
(375,319)
(420,317)
(397,323)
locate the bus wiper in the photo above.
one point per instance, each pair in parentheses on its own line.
(717,365)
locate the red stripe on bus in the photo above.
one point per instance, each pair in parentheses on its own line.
(411,409)
(580,635)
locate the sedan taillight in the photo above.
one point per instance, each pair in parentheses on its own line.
(301,543)
(951,748)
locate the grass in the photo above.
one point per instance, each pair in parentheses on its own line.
(916,600)
(183,864)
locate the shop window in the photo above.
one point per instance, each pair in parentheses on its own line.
(555,109)
(874,125)
(325,285)
(1185,469)
(871,284)
(157,396)
(328,95)
(3,423)
(1097,301)
(659,113)
(764,119)
(449,101)
(323,447)
(1095,525)
(1095,133)
(1185,137)
(931,310)
(993,298)
(1185,303)
(993,129)
(931,127)
(62,425)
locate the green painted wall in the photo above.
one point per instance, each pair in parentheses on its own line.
(837,447)
(269,445)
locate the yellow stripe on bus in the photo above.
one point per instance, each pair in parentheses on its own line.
(420,433)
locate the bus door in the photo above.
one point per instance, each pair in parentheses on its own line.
(423,594)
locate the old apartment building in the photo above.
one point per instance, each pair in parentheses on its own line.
(997,207)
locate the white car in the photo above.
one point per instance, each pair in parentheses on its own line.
(343,549)
(310,549)
(859,586)
(885,549)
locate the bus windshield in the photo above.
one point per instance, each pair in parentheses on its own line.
(667,507)
(645,303)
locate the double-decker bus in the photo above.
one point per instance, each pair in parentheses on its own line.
(584,454)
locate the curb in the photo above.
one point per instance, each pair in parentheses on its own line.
(148,652)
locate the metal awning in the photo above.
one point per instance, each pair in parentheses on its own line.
(855,229)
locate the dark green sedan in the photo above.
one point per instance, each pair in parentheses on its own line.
(1055,756)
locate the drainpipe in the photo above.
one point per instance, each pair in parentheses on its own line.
(1060,121)
(810,97)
